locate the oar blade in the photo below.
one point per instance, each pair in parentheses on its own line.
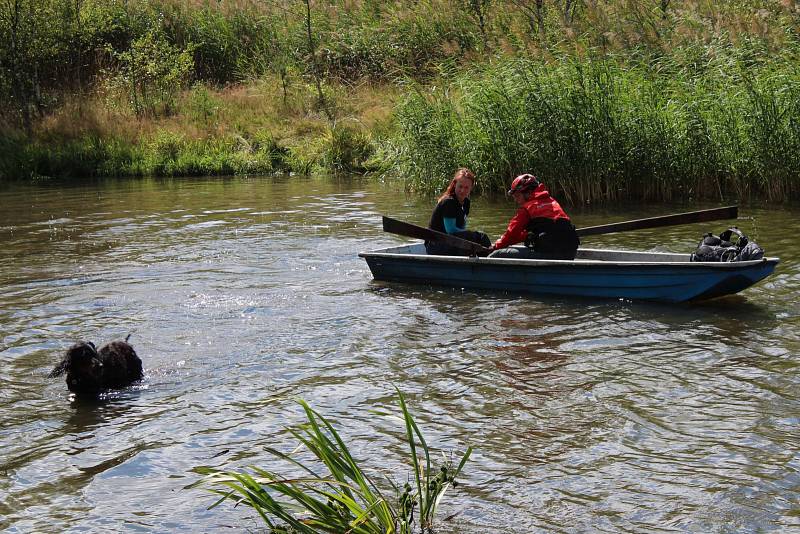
(394,226)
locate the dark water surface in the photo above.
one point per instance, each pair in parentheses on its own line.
(243,294)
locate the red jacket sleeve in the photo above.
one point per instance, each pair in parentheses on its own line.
(516,231)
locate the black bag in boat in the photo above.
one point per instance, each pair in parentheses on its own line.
(731,245)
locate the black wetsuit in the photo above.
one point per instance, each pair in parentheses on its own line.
(449,208)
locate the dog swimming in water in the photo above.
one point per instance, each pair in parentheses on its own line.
(90,371)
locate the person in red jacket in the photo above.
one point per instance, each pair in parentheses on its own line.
(540,222)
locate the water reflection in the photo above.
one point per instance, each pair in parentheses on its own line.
(89,413)
(245,293)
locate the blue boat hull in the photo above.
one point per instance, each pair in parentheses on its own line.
(594,273)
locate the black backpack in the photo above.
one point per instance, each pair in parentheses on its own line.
(726,247)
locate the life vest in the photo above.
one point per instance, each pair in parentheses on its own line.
(542,205)
(535,216)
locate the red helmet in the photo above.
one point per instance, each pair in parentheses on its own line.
(523,182)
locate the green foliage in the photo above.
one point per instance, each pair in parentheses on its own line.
(597,131)
(339,148)
(399,43)
(172,154)
(14,162)
(345,148)
(167,153)
(152,73)
(772,124)
(333,492)
(272,51)
(87,156)
(425,149)
(201,105)
(269,150)
(302,158)
(215,42)
(478,11)
(153,46)
(32,33)
(219,41)
(111,25)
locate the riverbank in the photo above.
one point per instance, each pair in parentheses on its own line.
(236,130)
(605,103)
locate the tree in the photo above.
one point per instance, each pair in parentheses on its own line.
(79,54)
(18,30)
(534,11)
(153,71)
(568,11)
(478,10)
(317,71)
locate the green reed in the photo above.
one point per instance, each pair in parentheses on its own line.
(336,493)
(598,130)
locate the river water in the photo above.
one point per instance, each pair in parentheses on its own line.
(242,295)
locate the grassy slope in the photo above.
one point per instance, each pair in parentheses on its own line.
(418,87)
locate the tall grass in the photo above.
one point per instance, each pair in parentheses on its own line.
(332,491)
(599,130)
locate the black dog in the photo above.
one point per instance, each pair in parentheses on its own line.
(90,372)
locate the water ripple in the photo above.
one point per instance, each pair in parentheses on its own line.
(243,295)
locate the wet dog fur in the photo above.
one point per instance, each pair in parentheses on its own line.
(90,371)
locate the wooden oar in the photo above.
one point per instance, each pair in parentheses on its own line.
(729,212)
(412,230)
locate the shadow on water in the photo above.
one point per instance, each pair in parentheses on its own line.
(732,307)
(91,412)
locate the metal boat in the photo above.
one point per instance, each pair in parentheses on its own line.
(654,276)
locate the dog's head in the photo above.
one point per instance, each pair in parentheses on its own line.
(83,367)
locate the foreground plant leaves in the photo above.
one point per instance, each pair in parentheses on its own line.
(337,495)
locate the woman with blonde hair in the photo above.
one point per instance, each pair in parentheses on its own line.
(450,215)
